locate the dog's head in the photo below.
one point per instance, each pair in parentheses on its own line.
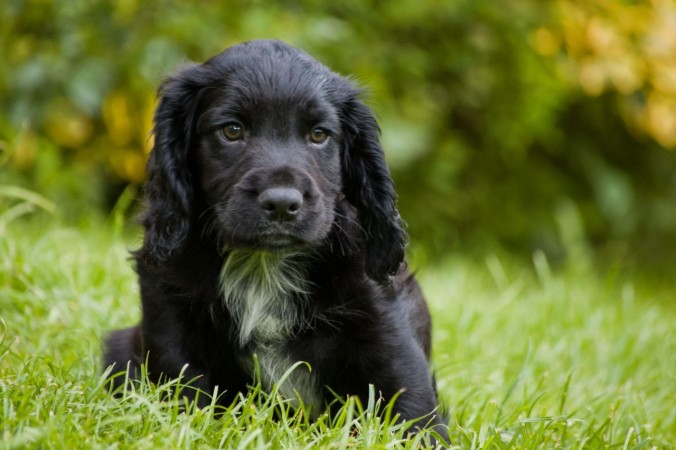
(264,141)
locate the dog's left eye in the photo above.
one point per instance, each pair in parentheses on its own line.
(232,132)
(318,136)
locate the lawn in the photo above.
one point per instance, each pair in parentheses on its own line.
(526,357)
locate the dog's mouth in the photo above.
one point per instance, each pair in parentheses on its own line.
(280,241)
(246,229)
(269,240)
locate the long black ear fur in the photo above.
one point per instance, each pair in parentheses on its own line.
(369,187)
(169,186)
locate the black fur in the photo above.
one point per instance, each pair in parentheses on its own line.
(363,319)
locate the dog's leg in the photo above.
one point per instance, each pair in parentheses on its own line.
(122,351)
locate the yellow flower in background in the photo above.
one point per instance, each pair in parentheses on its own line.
(626,48)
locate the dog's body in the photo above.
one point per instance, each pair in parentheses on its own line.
(271,229)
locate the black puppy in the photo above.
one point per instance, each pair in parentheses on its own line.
(271,229)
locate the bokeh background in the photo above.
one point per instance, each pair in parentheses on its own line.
(519,125)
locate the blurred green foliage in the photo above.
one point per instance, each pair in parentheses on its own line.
(505,123)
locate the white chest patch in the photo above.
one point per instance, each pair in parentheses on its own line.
(265,294)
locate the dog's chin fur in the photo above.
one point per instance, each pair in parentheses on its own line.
(265,292)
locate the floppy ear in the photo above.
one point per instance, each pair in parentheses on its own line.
(369,187)
(169,186)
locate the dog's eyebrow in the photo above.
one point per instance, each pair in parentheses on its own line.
(319,111)
(215,117)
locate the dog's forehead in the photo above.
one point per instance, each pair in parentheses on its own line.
(272,70)
(265,52)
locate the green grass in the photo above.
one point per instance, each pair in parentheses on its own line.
(525,358)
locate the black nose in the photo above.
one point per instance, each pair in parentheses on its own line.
(281,203)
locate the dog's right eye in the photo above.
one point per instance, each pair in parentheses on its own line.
(232,132)
(318,136)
